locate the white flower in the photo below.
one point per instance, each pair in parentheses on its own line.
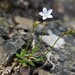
(46,14)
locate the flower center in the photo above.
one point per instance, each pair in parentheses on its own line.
(45,14)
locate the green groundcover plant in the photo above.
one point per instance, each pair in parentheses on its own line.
(27,57)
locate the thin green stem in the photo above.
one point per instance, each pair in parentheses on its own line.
(42,35)
(55,42)
(30,38)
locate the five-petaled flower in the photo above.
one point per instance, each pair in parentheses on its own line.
(46,13)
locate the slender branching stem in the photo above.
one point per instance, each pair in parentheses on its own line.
(30,37)
(42,35)
(55,42)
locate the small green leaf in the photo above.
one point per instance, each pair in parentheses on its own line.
(22,52)
(24,65)
(26,55)
(18,55)
(34,50)
(31,63)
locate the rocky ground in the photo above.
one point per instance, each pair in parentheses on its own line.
(16,22)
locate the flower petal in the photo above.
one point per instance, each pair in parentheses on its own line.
(41,13)
(50,11)
(44,10)
(44,17)
(49,16)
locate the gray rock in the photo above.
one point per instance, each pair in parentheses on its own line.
(55,31)
(23,23)
(48,66)
(73,68)
(3,34)
(57,27)
(1,41)
(3,38)
(8,47)
(62,28)
(12,45)
(25,71)
(3,55)
(62,58)
(43,72)
(66,54)
(70,39)
(51,39)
